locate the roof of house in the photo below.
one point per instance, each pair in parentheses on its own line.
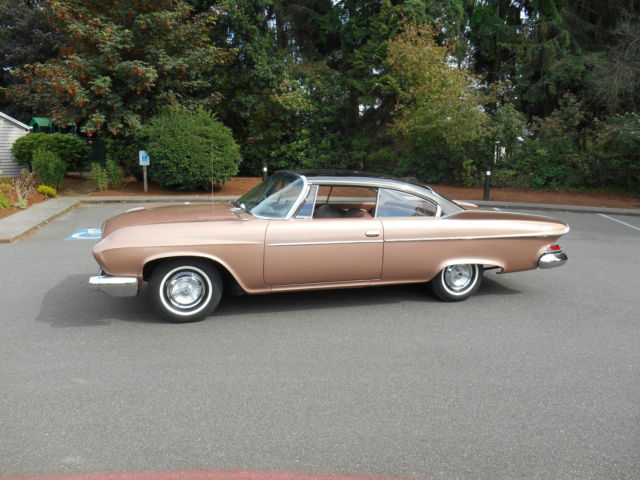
(13,120)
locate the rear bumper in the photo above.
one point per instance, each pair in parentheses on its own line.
(551,260)
(115,286)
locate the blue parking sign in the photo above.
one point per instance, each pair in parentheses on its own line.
(144,158)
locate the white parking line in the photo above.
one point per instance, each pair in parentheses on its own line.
(619,221)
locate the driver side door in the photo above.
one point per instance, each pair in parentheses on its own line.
(341,242)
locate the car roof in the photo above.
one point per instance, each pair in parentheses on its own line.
(357,177)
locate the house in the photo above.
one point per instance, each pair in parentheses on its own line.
(10,130)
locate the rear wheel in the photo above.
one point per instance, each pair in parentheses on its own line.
(185,290)
(457,282)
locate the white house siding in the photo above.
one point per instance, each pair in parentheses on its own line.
(10,131)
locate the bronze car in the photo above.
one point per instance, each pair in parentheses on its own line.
(315,230)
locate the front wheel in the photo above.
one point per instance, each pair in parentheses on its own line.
(457,282)
(185,290)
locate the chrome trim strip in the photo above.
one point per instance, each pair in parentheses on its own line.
(486,237)
(115,286)
(426,198)
(313,203)
(301,197)
(337,242)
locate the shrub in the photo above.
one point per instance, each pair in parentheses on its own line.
(553,155)
(188,150)
(615,153)
(47,191)
(24,147)
(125,153)
(100,176)
(49,167)
(71,149)
(4,202)
(114,173)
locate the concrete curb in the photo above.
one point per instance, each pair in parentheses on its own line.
(19,224)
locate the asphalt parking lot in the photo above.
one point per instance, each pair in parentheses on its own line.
(535,377)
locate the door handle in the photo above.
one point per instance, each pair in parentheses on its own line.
(372,233)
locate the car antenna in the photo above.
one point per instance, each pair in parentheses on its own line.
(211,153)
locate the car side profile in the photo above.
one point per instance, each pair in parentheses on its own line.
(306,230)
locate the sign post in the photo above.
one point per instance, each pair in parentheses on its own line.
(145,161)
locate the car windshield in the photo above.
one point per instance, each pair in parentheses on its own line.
(274,197)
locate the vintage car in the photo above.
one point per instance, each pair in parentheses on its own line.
(315,230)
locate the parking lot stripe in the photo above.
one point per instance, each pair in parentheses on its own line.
(619,221)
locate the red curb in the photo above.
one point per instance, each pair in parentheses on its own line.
(202,475)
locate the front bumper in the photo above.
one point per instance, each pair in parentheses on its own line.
(551,260)
(115,286)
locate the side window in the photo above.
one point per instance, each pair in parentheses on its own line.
(306,210)
(393,203)
(341,201)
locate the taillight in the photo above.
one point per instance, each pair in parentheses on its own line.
(554,249)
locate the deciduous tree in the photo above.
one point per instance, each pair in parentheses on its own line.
(438,105)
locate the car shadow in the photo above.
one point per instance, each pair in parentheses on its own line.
(492,287)
(71,303)
(340,298)
(322,299)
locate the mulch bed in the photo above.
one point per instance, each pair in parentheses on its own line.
(240,185)
(35,197)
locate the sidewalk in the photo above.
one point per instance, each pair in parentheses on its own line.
(21,223)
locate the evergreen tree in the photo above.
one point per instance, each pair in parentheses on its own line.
(25,38)
(119,61)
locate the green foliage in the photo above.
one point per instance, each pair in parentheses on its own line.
(114,173)
(49,167)
(73,151)
(344,83)
(25,38)
(564,151)
(615,153)
(124,152)
(119,62)
(47,191)
(439,112)
(550,156)
(4,202)
(189,150)
(24,147)
(100,175)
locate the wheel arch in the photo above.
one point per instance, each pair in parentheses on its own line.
(226,273)
(484,263)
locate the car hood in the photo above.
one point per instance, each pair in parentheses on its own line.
(157,214)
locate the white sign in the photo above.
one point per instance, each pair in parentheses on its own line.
(144,158)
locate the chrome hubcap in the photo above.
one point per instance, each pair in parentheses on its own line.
(185,290)
(458,277)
